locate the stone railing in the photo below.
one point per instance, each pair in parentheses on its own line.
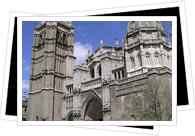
(129,90)
(133,44)
(130,79)
(148,41)
(159,71)
(80,67)
(94,83)
(148,28)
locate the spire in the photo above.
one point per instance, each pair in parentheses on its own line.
(117,43)
(24,94)
(101,42)
(88,53)
(86,57)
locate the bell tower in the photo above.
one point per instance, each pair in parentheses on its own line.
(51,68)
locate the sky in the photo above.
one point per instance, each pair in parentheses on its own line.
(86,37)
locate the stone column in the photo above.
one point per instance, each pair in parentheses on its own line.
(121,74)
(162,54)
(142,56)
(117,75)
(113,76)
(76,105)
(106,102)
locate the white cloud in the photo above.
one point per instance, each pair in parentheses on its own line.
(83,34)
(80,28)
(25,84)
(80,51)
(25,66)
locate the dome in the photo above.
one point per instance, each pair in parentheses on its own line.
(132,25)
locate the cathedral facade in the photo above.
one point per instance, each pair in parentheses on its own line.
(106,82)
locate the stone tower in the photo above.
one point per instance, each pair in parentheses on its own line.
(51,69)
(146,47)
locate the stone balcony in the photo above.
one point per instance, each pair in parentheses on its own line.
(93,83)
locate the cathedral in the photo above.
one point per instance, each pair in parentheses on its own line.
(105,83)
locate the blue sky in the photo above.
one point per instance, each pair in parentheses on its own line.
(87,37)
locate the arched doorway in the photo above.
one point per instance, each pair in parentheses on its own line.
(70,118)
(93,111)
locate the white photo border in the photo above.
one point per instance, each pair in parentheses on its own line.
(129,129)
(181,5)
(111,123)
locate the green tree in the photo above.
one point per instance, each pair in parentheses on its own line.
(154,103)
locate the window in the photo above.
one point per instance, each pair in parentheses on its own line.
(123,73)
(139,60)
(64,39)
(148,58)
(156,55)
(58,36)
(100,70)
(119,76)
(92,72)
(132,63)
(115,75)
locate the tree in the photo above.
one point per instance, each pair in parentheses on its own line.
(154,103)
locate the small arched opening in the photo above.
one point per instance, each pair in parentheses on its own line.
(132,117)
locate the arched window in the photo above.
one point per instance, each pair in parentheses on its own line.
(139,60)
(132,63)
(92,72)
(99,70)
(64,38)
(156,55)
(40,40)
(148,58)
(58,36)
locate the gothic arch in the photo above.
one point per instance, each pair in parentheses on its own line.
(132,60)
(64,38)
(148,58)
(69,116)
(139,60)
(157,57)
(93,110)
(99,70)
(92,72)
